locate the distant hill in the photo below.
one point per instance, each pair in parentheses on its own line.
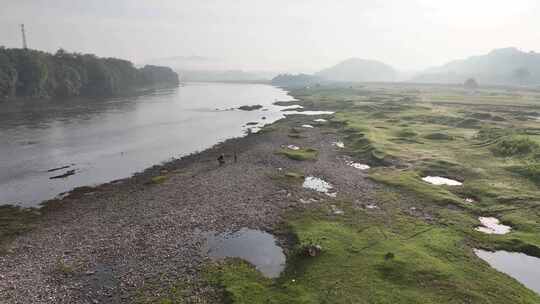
(507,66)
(299,80)
(208,69)
(359,70)
(35,74)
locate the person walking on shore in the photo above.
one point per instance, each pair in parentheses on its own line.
(221,160)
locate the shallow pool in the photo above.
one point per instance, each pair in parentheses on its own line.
(257,247)
(524,268)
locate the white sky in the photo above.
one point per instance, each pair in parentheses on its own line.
(294,35)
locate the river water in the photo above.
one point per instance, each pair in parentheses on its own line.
(108,139)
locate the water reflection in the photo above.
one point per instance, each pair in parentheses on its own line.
(524,268)
(257,247)
(107,139)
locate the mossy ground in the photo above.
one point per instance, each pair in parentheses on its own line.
(387,258)
(418,247)
(300,154)
(15,221)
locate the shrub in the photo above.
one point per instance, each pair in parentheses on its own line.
(515,146)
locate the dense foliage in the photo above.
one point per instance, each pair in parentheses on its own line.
(36,74)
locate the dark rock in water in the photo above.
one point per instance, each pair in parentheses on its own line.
(250,108)
(68,173)
(263,118)
(58,169)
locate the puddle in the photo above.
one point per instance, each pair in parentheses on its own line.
(524,268)
(491,225)
(319,185)
(320,120)
(339,144)
(358,165)
(293,147)
(307,126)
(439,181)
(255,246)
(291,107)
(310,113)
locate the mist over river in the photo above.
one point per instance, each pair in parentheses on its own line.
(108,139)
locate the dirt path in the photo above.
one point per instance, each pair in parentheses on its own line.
(101,245)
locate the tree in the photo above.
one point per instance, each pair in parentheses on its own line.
(36,74)
(471,84)
(8,77)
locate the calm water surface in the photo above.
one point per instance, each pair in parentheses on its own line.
(257,247)
(103,140)
(524,268)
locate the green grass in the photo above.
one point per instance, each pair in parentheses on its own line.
(156,180)
(515,146)
(438,136)
(418,247)
(300,155)
(368,259)
(411,182)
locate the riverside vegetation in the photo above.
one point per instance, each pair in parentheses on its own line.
(417,245)
(35,74)
(401,240)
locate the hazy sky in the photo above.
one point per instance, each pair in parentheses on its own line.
(295,35)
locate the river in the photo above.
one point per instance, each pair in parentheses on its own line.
(107,139)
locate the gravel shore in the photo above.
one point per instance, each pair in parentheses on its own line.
(104,244)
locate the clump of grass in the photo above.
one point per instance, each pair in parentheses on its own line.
(487,116)
(363,148)
(483,116)
(438,136)
(469,123)
(443,168)
(64,268)
(515,146)
(160,179)
(267,129)
(530,170)
(295,130)
(411,182)
(14,221)
(296,135)
(434,119)
(406,133)
(301,154)
(294,175)
(490,134)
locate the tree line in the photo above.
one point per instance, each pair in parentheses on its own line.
(36,74)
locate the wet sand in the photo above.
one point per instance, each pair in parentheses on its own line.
(104,244)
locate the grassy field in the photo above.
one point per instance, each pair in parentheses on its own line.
(489,140)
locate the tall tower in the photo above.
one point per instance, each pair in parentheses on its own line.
(25,46)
